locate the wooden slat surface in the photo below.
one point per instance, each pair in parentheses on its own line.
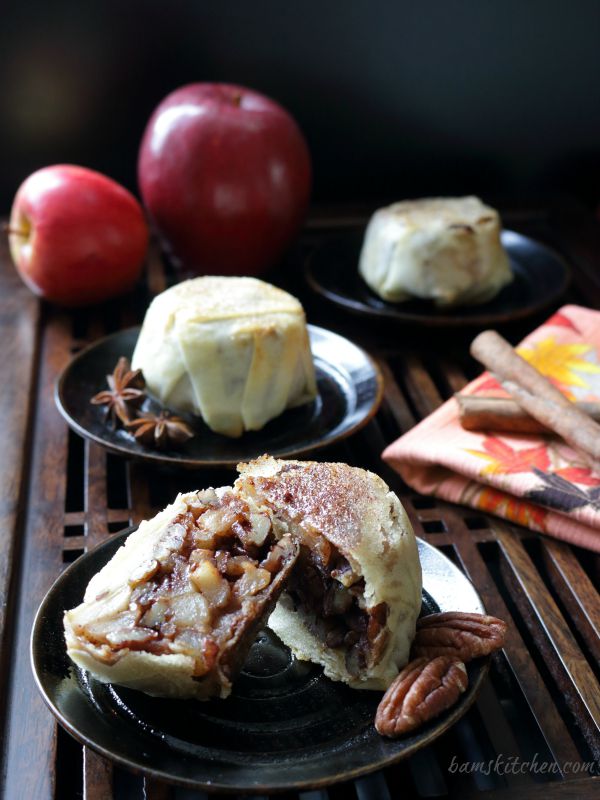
(576,591)
(30,733)
(59,497)
(571,671)
(19,316)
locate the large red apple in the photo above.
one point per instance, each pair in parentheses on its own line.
(225,173)
(76,236)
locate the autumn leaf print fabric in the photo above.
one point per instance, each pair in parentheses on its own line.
(532,480)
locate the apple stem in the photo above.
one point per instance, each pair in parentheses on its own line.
(236,98)
(13,231)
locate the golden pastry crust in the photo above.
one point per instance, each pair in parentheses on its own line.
(234,351)
(333,498)
(446,249)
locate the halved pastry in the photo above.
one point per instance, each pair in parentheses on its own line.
(175,610)
(353,598)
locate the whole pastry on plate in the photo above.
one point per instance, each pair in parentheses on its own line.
(234,351)
(353,598)
(175,610)
(444,249)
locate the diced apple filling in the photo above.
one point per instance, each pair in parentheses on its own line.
(206,577)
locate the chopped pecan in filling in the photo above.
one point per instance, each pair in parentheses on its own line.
(207,585)
(330,595)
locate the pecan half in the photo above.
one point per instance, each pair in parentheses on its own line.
(457,634)
(423,689)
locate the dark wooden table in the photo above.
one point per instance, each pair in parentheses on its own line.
(60,496)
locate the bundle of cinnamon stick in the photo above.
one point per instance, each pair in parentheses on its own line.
(536,405)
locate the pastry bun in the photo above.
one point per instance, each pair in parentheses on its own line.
(355,535)
(234,351)
(444,249)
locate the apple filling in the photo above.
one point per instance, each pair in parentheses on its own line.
(203,591)
(330,595)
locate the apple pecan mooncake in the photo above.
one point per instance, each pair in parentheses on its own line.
(445,249)
(234,351)
(175,610)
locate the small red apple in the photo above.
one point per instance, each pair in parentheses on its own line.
(225,174)
(76,237)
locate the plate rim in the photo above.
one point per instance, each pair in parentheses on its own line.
(394,315)
(454,715)
(189,463)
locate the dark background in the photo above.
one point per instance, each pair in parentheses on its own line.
(395,98)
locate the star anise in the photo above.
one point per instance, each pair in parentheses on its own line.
(125,393)
(160,430)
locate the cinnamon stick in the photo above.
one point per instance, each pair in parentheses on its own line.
(537,396)
(478,413)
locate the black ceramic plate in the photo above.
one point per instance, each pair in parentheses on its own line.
(540,277)
(350,390)
(285,727)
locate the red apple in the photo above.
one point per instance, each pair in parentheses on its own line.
(225,174)
(76,236)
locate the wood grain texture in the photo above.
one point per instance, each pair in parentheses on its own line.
(455,375)
(538,697)
(419,385)
(30,731)
(499,731)
(394,401)
(576,591)
(19,318)
(558,647)
(97,776)
(156,790)
(96,523)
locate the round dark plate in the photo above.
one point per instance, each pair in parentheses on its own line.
(350,390)
(540,277)
(285,726)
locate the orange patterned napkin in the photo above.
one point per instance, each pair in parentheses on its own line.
(534,480)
